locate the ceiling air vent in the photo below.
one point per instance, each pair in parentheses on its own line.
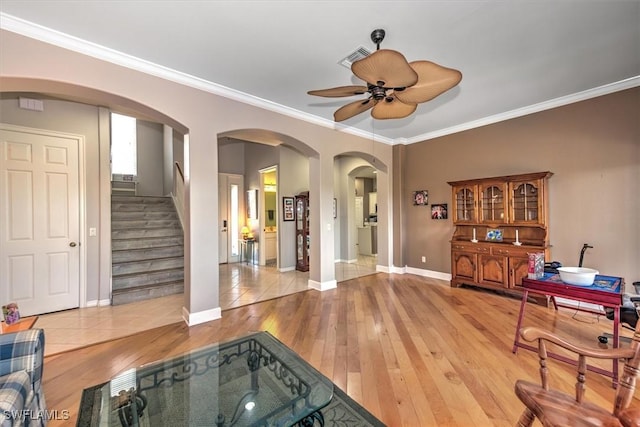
(359,53)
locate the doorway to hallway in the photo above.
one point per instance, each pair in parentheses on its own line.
(231,204)
(269,217)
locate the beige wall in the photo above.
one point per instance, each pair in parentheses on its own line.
(30,65)
(150,156)
(79,119)
(593,149)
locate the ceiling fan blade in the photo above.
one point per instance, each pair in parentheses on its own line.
(338,92)
(353,108)
(433,80)
(391,108)
(386,68)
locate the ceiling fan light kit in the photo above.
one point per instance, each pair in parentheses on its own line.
(395,86)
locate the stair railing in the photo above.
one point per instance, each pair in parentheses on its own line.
(178,191)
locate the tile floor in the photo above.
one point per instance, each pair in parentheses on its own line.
(241,284)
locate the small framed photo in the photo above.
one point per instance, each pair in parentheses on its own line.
(420,198)
(10,313)
(287,209)
(439,211)
(494,235)
(335,208)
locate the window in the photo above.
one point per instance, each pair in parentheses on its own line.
(123,145)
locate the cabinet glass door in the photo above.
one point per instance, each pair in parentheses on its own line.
(300,223)
(525,202)
(492,203)
(302,232)
(464,205)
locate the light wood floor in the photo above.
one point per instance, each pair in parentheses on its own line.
(412,350)
(240,284)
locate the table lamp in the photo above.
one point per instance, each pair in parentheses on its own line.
(245,232)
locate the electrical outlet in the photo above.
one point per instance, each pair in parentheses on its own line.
(424,259)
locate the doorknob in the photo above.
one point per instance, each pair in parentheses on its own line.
(72,244)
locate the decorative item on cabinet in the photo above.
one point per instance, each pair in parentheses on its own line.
(517,242)
(494,235)
(498,222)
(302,231)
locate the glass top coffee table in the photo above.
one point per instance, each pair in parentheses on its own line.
(251,381)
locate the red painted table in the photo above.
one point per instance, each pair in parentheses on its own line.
(606,291)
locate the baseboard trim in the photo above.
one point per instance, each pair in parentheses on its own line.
(383,269)
(97,303)
(192,319)
(285,269)
(323,286)
(397,270)
(569,303)
(428,273)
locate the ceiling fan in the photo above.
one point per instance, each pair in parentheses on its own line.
(395,87)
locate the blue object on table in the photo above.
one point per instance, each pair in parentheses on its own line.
(603,283)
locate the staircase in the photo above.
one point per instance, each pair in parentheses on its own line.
(147,248)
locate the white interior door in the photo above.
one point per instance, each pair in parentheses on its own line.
(39,220)
(230,204)
(223,219)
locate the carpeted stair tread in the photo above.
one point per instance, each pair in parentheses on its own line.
(147,248)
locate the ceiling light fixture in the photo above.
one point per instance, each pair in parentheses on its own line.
(395,87)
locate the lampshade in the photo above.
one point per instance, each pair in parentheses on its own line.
(245,231)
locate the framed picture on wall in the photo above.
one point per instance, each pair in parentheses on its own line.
(420,198)
(439,211)
(287,209)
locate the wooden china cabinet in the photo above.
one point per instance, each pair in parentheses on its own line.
(514,208)
(302,231)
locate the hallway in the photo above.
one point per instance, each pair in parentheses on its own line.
(240,284)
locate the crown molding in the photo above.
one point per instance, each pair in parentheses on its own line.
(535,108)
(47,35)
(66,41)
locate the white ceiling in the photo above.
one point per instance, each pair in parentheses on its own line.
(516,56)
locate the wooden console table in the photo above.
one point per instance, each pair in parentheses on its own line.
(606,291)
(21,325)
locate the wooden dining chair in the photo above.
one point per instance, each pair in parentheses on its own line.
(556,408)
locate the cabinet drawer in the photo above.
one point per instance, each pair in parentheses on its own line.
(470,247)
(513,251)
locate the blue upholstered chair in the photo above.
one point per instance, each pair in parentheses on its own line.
(21,396)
